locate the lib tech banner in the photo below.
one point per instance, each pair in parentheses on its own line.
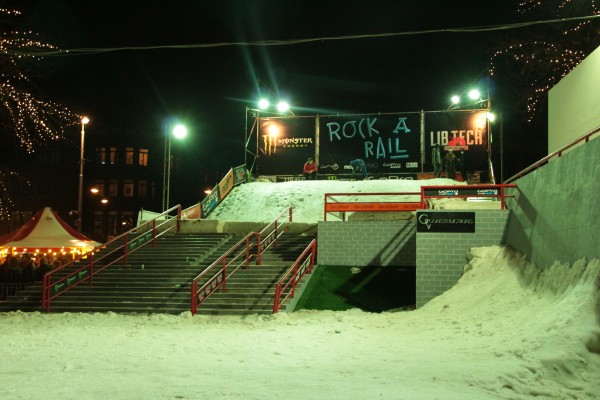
(388,143)
(284,145)
(456,130)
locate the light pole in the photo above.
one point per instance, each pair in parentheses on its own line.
(84,121)
(180,132)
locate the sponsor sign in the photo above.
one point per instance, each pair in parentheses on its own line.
(226,185)
(374,207)
(458,130)
(461,191)
(70,281)
(239,174)
(434,222)
(210,202)
(284,144)
(140,240)
(387,143)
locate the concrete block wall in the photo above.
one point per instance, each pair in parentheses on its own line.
(362,243)
(441,257)
(556,212)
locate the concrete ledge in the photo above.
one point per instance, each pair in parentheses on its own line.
(240,228)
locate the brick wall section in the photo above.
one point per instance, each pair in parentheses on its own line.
(441,257)
(362,243)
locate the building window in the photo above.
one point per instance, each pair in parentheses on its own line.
(142,188)
(98,224)
(129,155)
(112,156)
(126,221)
(143,157)
(111,223)
(101,155)
(113,188)
(128,188)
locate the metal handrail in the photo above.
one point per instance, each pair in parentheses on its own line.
(219,279)
(286,286)
(265,238)
(86,272)
(406,205)
(481,191)
(585,138)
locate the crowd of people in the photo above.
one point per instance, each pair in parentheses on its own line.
(359,169)
(449,163)
(25,268)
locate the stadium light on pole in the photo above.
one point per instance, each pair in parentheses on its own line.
(179,131)
(84,121)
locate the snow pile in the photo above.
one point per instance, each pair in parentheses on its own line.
(505,331)
(262,201)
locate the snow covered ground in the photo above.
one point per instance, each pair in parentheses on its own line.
(505,331)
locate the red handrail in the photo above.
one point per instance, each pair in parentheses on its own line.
(286,286)
(53,289)
(585,138)
(265,238)
(406,205)
(455,189)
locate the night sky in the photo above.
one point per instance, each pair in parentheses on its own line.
(210,88)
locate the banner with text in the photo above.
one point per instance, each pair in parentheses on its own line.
(284,144)
(387,143)
(458,130)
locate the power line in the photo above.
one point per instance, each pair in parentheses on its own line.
(289,42)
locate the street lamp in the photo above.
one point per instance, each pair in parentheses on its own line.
(84,121)
(180,132)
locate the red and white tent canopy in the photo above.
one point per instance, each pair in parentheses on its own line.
(46,230)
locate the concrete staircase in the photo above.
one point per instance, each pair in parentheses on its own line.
(252,291)
(158,280)
(155,280)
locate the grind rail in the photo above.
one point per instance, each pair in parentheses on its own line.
(238,256)
(286,287)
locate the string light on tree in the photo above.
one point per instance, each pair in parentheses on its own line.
(541,58)
(32,120)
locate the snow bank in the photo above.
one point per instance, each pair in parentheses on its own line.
(505,331)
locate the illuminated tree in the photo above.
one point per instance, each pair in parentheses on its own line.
(25,116)
(541,55)
(26,119)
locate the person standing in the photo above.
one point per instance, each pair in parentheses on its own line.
(310,170)
(451,161)
(461,164)
(359,167)
(436,159)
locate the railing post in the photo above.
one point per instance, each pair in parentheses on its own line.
(178,218)
(194,298)
(46,293)
(224,269)
(247,252)
(154,233)
(312,257)
(277,297)
(91,278)
(290,214)
(325,207)
(125,247)
(259,252)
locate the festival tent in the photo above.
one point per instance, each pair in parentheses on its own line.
(44,232)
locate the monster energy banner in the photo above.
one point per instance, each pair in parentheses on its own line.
(284,144)
(387,143)
(458,131)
